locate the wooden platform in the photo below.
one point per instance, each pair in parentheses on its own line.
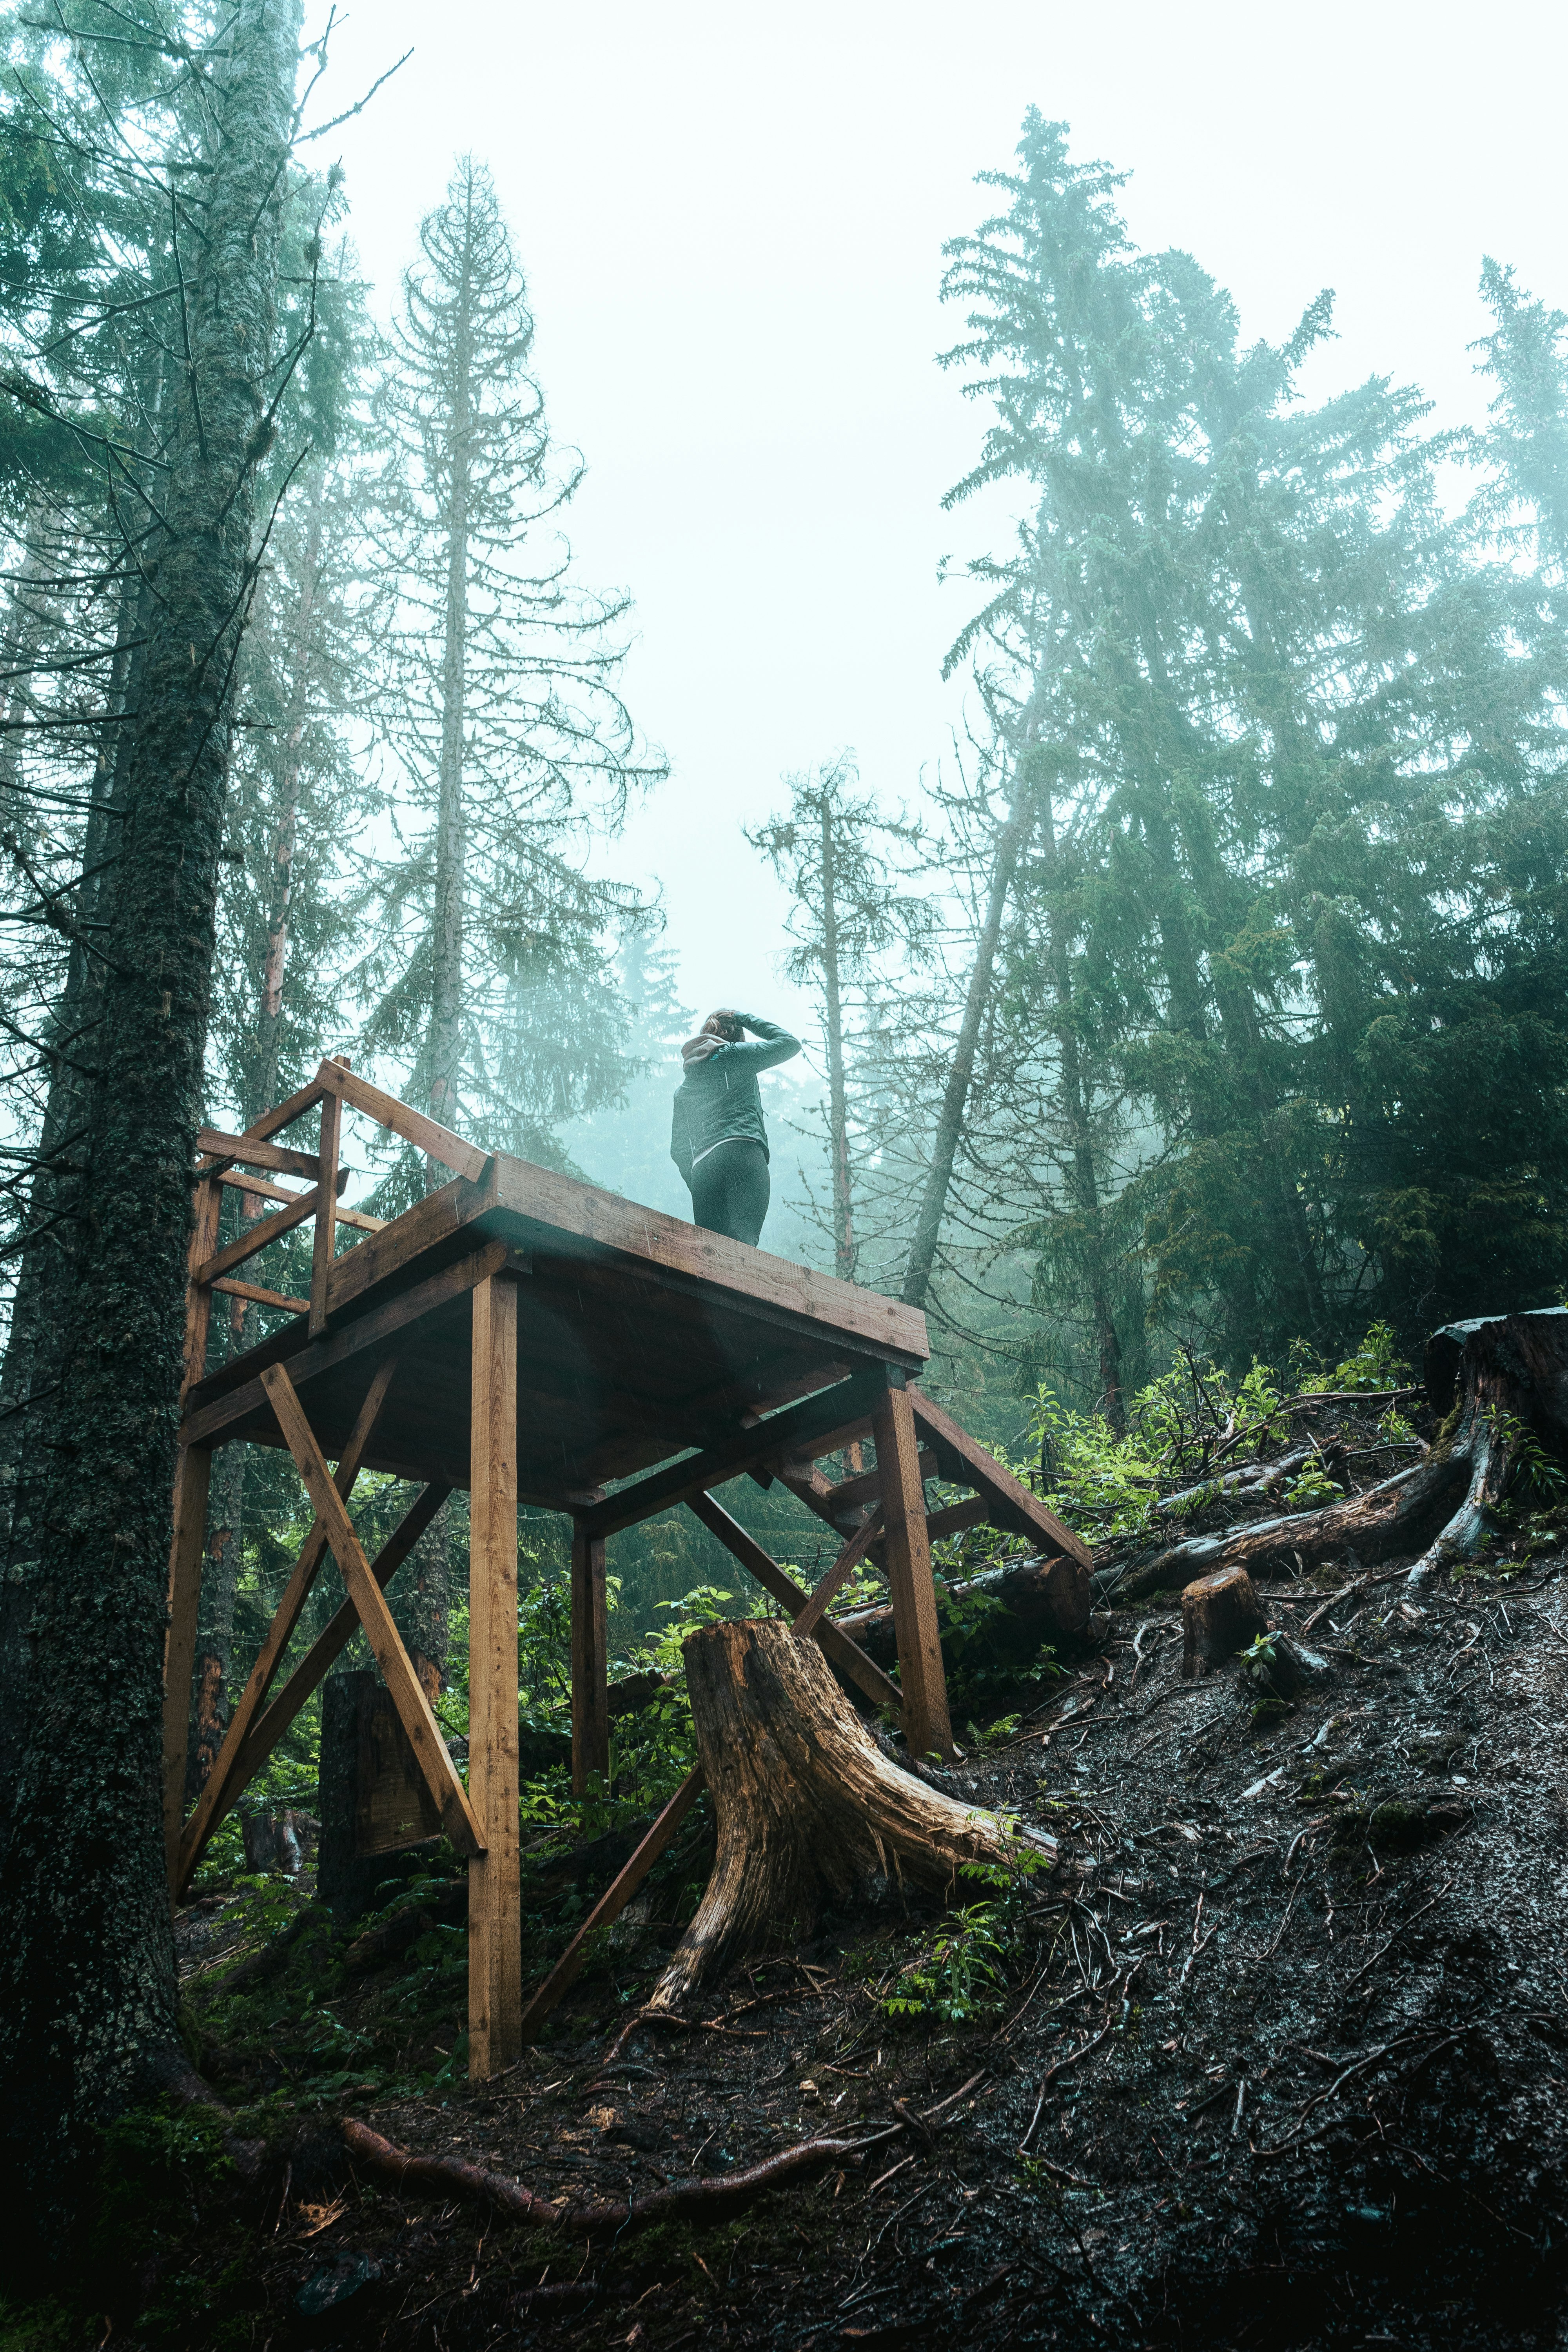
(532,1338)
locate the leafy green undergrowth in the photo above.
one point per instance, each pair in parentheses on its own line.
(962,1970)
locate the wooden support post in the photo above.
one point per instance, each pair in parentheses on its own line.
(192,1478)
(590,1661)
(906,1558)
(326,1210)
(429,1748)
(495,1924)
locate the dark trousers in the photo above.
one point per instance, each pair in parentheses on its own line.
(730,1191)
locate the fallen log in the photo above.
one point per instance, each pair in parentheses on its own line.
(809,1810)
(1513,1380)
(1042,1599)
(1399,1514)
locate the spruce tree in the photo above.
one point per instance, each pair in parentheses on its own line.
(512,745)
(832,851)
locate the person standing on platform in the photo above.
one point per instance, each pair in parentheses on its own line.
(719,1140)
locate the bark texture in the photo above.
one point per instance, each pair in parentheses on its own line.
(87,1972)
(809,1811)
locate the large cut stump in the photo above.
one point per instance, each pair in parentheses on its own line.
(809,1811)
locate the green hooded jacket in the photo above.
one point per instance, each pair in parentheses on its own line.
(717,1101)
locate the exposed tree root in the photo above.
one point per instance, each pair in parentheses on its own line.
(808,1809)
(698,2200)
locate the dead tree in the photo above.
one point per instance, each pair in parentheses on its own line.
(809,1811)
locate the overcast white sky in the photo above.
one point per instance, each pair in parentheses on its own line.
(731,222)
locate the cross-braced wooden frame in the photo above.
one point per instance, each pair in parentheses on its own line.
(536,1339)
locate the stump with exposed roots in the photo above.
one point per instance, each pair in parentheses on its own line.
(810,1811)
(1505,1378)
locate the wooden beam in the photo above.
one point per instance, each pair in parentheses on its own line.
(192,1479)
(837,1575)
(293,1107)
(495,1929)
(271,1229)
(208,1421)
(222,1785)
(1010,1503)
(956,1518)
(325,1246)
(262,1187)
(427,1135)
(252,1152)
(590,1661)
(612,1903)
(260,1297)
(841,1651)
(457,1816)
(837,1315)
(403,1242)
(317,1664)
(818,1419)
(906,1555)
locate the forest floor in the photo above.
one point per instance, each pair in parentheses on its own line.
(1279,2058)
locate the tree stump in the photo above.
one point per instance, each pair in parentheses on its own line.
(1220,1615)
(809,1811)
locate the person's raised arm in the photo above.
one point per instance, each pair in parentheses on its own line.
(771,1045)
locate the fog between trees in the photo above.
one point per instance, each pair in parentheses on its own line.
(1211,987)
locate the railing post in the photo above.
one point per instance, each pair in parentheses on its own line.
(326,1210)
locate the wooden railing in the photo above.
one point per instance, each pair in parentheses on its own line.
(250,1163)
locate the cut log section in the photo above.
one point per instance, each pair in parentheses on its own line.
(809,1810)
(1220,1615)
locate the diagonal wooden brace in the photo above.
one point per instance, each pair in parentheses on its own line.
(613,1902)
(370,1605)
(842,1653)
(317,1664)
(854,1552)
(223,1784)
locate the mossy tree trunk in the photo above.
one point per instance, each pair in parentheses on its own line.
(86,1973)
